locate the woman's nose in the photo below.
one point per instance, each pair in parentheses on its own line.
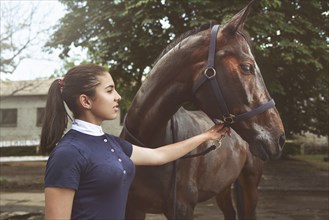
(118,98)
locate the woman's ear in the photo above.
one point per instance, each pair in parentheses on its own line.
(85,101)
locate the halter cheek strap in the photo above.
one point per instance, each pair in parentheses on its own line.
(209,75)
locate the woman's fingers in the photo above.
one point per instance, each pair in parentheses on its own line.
(219,130)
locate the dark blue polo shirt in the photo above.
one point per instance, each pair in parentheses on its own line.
(98,168)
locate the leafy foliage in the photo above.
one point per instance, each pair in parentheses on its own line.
(290,45)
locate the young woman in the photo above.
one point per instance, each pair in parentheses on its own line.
(89,172)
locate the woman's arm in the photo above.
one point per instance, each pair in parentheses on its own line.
(171,152)
(58,203)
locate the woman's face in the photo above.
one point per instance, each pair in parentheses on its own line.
(105,104)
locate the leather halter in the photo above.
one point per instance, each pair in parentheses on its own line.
(209,75)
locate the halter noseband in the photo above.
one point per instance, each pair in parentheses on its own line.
(209,75)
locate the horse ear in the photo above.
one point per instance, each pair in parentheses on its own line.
(238,20)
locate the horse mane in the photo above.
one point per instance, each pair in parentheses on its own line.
(182,37)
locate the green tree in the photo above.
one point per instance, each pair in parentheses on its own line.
(291,40)
(290,45)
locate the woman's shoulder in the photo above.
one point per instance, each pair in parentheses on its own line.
(72,142)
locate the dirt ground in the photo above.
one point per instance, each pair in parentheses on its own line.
(289,190)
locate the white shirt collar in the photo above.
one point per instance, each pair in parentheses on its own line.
(87,128)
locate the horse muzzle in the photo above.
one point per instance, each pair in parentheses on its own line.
(267,149)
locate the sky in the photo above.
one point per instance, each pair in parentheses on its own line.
(40,64)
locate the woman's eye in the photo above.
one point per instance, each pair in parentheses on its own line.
(109,91)
(247,68)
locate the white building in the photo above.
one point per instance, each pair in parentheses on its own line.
(21,111)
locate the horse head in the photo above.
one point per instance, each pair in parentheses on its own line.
(233,89)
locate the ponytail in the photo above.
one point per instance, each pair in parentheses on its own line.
(55,118)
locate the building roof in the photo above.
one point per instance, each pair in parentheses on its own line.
(25,87)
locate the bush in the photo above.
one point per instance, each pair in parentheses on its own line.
(290,149)
(315,149)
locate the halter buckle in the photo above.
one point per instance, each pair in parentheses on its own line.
(211,74)
(229,119)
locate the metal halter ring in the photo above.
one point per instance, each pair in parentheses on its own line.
(211,70)
(219,141)
(229,119)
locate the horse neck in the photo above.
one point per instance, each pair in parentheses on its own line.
(167,87)
(157,100)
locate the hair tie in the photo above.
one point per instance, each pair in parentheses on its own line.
(61,83)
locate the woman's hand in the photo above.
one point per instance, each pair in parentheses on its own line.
(218,131)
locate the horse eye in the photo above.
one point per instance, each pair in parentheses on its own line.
(247,68)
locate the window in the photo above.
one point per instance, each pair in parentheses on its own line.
(8,117)
(40,115)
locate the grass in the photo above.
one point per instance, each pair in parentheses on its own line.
(315,160)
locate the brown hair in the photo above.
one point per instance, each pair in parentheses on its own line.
(81,79)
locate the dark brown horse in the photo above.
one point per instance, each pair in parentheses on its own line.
(171,83)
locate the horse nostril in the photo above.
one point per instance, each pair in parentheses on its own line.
(282,140)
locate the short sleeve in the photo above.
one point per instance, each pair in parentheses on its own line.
(64,167)
(125,145)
